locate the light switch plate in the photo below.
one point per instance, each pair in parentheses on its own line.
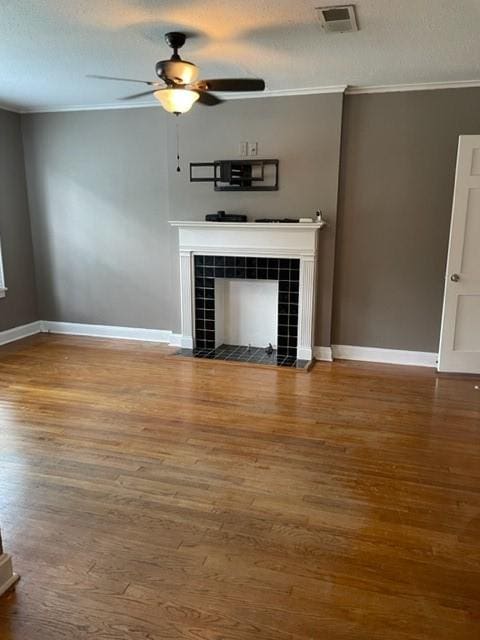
(243,149)
(253,148)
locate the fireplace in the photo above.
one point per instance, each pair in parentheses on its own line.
(284,271)
(281,254)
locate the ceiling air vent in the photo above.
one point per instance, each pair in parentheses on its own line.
(337,19)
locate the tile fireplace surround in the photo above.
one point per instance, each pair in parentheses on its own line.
(285,252)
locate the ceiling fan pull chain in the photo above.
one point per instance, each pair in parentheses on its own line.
(178,145)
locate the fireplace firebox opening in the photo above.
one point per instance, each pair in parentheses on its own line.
(284,272)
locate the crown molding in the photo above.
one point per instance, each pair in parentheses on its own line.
(4,107)
(418,86)
(107,106)
(272,93)
(278,93)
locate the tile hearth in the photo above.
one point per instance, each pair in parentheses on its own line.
(240,353)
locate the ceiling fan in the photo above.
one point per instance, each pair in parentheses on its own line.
(178,87)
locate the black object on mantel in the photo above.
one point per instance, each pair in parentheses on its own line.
(289,220)
(221,216)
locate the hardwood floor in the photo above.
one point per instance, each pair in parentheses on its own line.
(148,497)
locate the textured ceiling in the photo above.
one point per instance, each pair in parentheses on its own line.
(48,46)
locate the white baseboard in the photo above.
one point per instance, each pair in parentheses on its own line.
(336,351)
(305,354)
(323,353)
(7,576)
(95,331)
(17,333)
(108,331)
(176,340)
(387,356)
(186,342)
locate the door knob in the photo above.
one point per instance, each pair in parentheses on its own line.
(454,277)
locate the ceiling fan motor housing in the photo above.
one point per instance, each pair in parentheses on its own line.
(176,71)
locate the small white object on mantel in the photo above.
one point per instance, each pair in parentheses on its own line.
(260,239)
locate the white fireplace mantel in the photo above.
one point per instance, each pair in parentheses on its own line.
(276,240)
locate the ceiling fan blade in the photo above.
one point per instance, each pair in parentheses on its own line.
(139,95)
(97,77)
(232,84)
(208,99)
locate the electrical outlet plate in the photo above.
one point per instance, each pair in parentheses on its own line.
(243,149)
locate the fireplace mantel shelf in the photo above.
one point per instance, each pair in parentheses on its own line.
(293,226)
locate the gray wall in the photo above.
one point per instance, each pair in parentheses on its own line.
(304,133)
(396,187)
(102,186)
(20,305)
(98,195)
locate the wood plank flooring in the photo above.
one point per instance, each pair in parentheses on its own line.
(147,497)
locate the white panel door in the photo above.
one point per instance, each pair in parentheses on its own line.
(460,334)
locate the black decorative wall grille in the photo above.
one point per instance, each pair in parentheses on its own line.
(285,270)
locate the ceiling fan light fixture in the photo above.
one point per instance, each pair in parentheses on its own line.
(176,100)
(178,87)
